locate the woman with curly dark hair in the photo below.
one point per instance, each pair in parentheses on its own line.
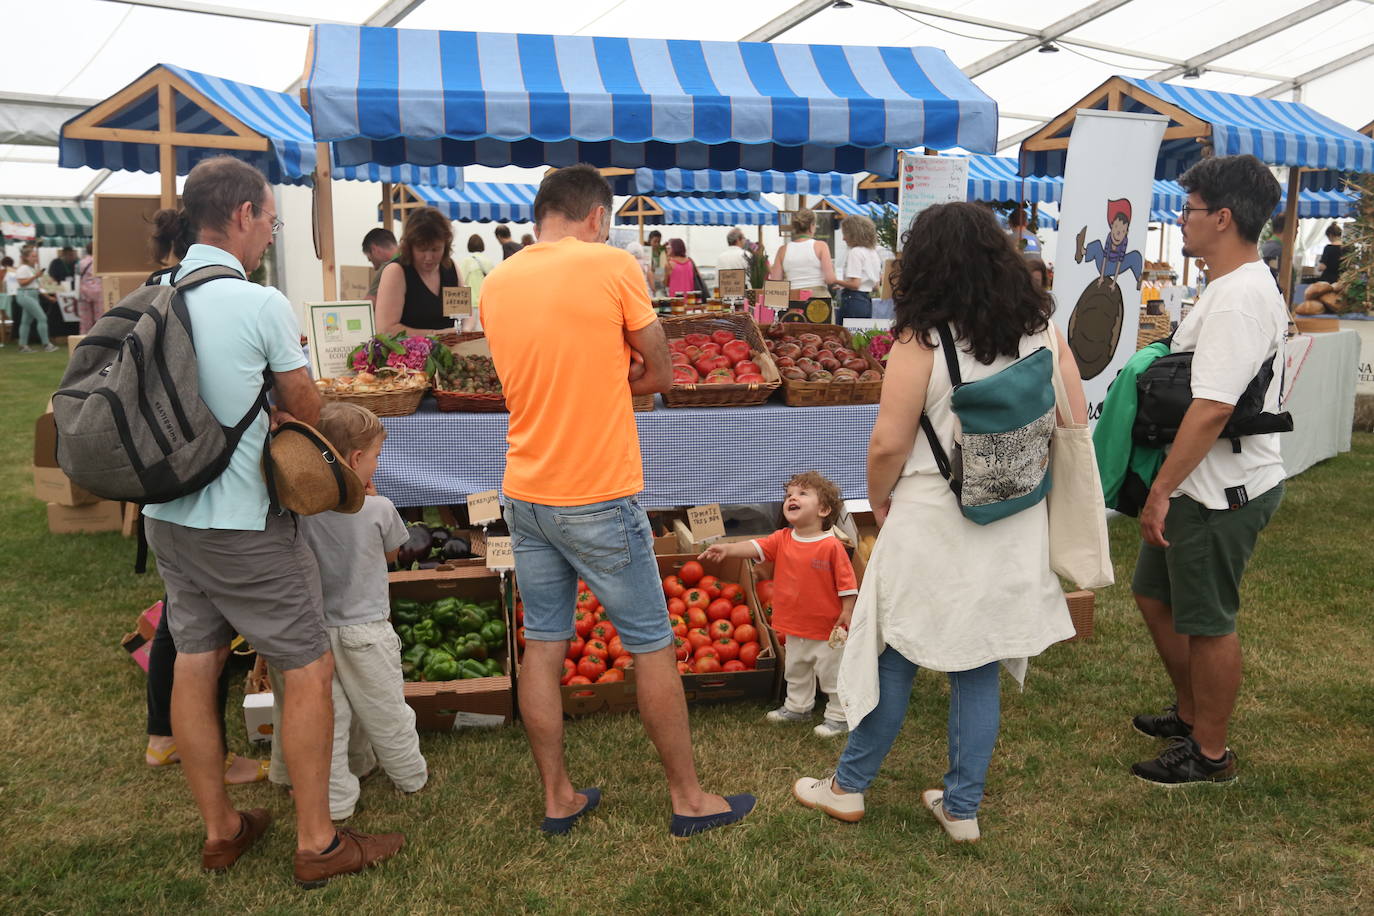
(940,591)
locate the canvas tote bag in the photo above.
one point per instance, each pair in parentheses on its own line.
(1078,518)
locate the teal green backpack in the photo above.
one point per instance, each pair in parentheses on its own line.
(1002,465)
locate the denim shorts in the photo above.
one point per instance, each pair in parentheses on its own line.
(608,544)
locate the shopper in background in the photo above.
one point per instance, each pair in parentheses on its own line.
(1331,255)
(508,247)
(862,269)
(526,240)
(379,247)
(657,255)
(62,267)
(573,334)
(475,267)
(1038,271)
(679,271)
(1021,234)
(410,297)
(927,600)
(736,255)
(804,262)
(26,298)
(90,300)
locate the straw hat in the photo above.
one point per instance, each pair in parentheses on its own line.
(309,476)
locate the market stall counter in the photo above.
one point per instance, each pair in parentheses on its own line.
(1321,398)
(692,456)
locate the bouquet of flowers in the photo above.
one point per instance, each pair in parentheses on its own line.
(396,353)
(876,344)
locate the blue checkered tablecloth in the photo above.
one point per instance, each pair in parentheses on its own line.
(692,456)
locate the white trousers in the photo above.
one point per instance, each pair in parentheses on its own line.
(372,723)
(806,661)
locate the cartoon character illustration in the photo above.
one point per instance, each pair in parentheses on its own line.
(1095,325)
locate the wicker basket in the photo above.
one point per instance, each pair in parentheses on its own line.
(816,394)
(642,402)
(728,395)
(1153,328)
(1081,613)
(382,403)
(461,401)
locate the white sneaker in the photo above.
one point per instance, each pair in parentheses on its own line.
(49,348)
(831,728)
(818,793)
(960,831)
(25,348)
(783,714)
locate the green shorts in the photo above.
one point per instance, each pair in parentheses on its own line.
(1198,574)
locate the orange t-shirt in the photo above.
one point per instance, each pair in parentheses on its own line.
(809,577)
(555,319)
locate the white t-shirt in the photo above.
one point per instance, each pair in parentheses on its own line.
(351,551)
(732,258)
(1238,324)
(863,263)
(22,272)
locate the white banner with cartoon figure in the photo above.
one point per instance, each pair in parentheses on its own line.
(1108,183)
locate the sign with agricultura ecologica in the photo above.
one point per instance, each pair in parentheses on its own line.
(333,329)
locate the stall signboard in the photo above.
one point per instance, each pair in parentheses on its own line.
(776,294)
(705,522)
(500,553)
(1099,263)
(457,301)
(926,181)
(484,508)
(333,329)
(354,282)
(18,231)
(731,282)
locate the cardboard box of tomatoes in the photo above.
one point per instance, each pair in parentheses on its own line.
(464,703)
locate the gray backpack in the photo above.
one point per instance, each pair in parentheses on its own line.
(131,424)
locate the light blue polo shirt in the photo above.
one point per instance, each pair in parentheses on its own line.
(239,328)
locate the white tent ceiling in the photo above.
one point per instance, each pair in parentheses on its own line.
(1327,46)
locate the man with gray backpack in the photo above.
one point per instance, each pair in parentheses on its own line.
(164,403)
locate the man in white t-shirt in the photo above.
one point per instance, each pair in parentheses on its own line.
(735,257)
(1209,501)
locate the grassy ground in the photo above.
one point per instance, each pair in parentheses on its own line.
(86,827)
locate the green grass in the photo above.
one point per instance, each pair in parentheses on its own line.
(85,827)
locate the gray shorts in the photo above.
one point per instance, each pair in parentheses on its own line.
(264,585)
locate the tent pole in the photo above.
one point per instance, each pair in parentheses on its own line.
(167,157)
(324,203)
(388,217)
(1290,235)
(1163,228)
(641,228)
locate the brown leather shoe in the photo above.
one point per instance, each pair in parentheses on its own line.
(218,855)
(355,852)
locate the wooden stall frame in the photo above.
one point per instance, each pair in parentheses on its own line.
(639,207)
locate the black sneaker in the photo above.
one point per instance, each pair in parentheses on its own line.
(1183,764)
(1168,725)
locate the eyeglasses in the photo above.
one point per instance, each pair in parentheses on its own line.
(1183,212)
(277,225)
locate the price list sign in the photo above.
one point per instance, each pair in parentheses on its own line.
(924,181)
(457,301)
(731,282)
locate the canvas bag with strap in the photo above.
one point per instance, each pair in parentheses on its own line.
(131,424)
(1001,456)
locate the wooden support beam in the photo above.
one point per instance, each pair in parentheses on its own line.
(324,220)
(1290,235)
(167,154)
(176,138)
(388,215)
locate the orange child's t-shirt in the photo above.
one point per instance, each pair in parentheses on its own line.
(555,319)
(810,575)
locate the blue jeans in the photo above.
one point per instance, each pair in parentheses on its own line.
(974,715)
(855,303)
(608,544)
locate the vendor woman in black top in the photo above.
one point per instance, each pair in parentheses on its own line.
(410,294)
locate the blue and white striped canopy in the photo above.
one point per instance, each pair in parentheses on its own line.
(1169,217)
(1043,219)
(477,98)
(436,176)
(991,178)
(738,182)
(708,211)
(482,201)
(849,206)
(1278,133)
(1169,198)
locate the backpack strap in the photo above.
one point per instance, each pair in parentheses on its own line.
(270,472)
(936,449)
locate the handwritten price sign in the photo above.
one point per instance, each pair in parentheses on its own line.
(484,507)
(500,554)
(731,282)
(776,294)
(457,301)
(706,522)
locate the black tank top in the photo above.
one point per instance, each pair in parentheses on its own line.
(422,308)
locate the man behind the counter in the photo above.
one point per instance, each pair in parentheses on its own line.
(573,335)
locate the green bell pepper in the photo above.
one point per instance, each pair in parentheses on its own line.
(426,632)
(493,633)
(405,611)
(445,612)
(414,657)
(470,619)
(440,666)
(406,635)
(493,668)
(470,668)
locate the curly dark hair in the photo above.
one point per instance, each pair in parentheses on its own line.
(827,493)
(958,266)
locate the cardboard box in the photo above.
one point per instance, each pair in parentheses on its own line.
(129,527)
(105,515)
(72,341)
(140,641)
(45,441)
(114,287)
(53,486)
(476,702)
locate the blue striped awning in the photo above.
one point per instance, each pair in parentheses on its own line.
(991,178)
(1169,198)
(1168,217)
(708,211)
(738,182)
(848,205)
(465,98)
(437,176)
(482,201)
(1043,219)
(1278,133)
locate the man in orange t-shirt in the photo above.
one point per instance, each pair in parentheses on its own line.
(573,336)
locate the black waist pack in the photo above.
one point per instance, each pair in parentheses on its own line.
(1164,392)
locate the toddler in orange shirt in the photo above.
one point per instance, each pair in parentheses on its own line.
(813,592)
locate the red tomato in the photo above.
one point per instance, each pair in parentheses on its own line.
(678,624)
(614,647)
(691,573)
(698,638)
(679,359)
(747,367)
(723,336)
(731,592)
(625,661)
(683,668)
(746,633)
(583,623)
(581,585)
(569,669)
(673,587)
(676,343)
(677,606)
(718,610)
(612,675)
(710,585)
(706,652)
(696,617)
(764,589)
(596,647)
(592,666)
(680,648)
(749,653)
(734,664)
(704,363)
(519,612)
(586,601)
(695,597)
(604,631)
(685,375)
(692,351)
(737,350)
(750,378)
(579,679)
(708,666)
(696,340)
(740,615)
(711,349)
(575,646)
(720,629)
(727,650)
(520,638)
